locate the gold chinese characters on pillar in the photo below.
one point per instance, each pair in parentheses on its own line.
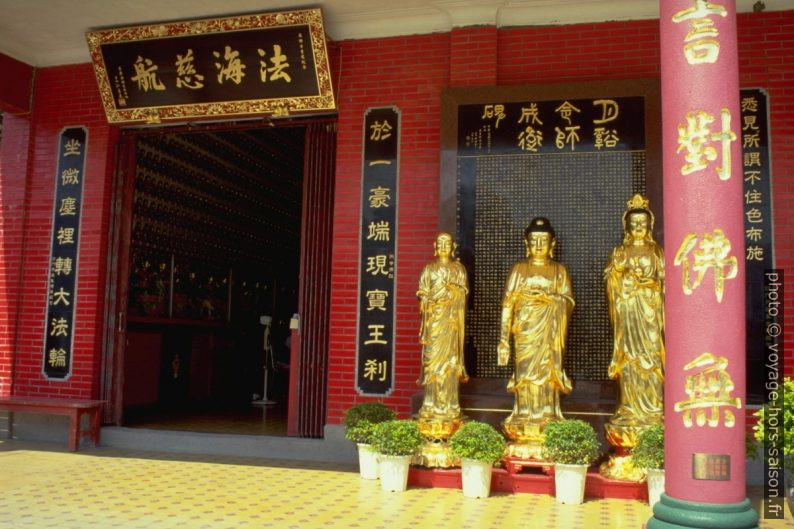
(273,63)
(709,387)
(709,252)
(536,307)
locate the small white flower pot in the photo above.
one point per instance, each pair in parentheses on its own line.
(476,477)
(569,483)
(394,472)
(367,461)
(655,479)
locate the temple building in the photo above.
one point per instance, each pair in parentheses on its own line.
(214,218)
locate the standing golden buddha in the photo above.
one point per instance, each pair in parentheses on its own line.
(536,307)
(443,288)
(635,291)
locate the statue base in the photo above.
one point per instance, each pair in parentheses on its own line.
(433,427)
(437,430)
(435,454)
(622,468)
(526,438)
(624,436)
(532,450)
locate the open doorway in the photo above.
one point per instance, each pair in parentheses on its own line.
(211,243)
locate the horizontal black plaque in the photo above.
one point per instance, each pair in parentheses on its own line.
(273,63)
(378,236)
(62,288)
(558,126)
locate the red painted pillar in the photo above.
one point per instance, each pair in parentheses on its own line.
(704,256)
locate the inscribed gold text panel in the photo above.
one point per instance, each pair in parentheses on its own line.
(273,63)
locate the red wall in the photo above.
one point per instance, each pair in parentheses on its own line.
(63,96)
(17,84)
(407,72)
(410,72)
(13,168)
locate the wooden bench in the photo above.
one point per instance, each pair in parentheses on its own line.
(74,409)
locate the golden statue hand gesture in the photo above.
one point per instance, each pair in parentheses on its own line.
(503,352)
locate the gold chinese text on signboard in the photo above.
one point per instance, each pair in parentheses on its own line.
(274,64)
(62,285)
(377,248)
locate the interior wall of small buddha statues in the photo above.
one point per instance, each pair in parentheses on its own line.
(214,246)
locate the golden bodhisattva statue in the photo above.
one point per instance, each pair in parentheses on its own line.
(443,288)
(536,307)
(634,281)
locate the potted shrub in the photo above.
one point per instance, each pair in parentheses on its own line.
(572,445)
(396,442)
(360,421)
(648,454)
(478,446)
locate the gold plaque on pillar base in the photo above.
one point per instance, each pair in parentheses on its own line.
(621,468)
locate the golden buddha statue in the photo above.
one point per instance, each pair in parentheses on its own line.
(442,295)
(635,291)
(536,306)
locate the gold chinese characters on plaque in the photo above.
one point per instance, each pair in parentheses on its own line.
(274,64)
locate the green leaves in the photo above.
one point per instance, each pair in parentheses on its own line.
(649,451)
(360,420)
(571,442)
(778,414)
(397,438)
(478,441)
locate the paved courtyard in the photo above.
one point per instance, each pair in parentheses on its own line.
(44,486)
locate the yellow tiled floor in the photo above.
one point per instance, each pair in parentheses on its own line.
(42,486)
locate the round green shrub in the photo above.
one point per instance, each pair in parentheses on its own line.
(361,432)
(373,412)
(782,410)
(478,441)
(649,450)
(397,438)
(360,420)
(570,442)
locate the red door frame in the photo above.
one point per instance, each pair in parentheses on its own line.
(302,392)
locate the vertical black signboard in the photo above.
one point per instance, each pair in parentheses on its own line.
(378,241)
(62,286)
(758,230)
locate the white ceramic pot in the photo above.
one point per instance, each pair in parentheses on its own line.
(367,461)
(476,477)
(394,472)
(655,479)
(569,483)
